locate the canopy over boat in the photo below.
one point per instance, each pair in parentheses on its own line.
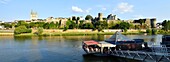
(105,44)
(91,42)
(118,38)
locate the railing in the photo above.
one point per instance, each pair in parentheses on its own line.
(157,54)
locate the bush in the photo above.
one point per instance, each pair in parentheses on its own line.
(154,31)
(22,29)
(40,31)
(100,28)
(125,30)
(65,28)
(149,31)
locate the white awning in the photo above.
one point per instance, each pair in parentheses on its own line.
(105,44)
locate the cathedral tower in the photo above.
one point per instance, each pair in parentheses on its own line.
(34,15)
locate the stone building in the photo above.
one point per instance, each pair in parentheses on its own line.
(112,18)
(100,16)
(34,15)
(59,20)
(150,22)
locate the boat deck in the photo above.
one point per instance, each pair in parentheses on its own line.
(157,54)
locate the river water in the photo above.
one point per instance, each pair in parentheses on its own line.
(57,48)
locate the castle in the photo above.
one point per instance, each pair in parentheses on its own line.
(151,23)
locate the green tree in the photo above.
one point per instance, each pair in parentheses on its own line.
(131,26)
(88,17)
(97,24)
(77,20)
(13,25)
(164,22)
(22,23)
(40,31)
(141,21)
(46,26)
(74,18)
(104,24)
(124,25)
(22,29)
(111,25)
(7,25)
(167,26)
(88,26)
(65,28)
(57,25)
(154,31)
(71,24)
(149,31)
(52,25)
(32,25)
(100,28)
(125,30)
(81,24)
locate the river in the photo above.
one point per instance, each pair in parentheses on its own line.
(57,48)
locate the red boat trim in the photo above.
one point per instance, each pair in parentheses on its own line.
(91,42)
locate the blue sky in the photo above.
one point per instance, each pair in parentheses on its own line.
(11,10)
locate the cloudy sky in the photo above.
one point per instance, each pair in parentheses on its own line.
(125,9)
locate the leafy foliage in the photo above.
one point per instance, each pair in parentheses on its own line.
(88,26)
(166,25)
(65,28)
(122,25)
(88,17)
(22,29)
(149,31)
(40,31)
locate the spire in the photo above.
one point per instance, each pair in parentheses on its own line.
(32,12)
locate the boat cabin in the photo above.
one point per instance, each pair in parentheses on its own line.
(124,43)
(97,47)
(166,40)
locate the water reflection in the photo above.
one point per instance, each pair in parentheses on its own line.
(107,59)
(22,39)
(56,48)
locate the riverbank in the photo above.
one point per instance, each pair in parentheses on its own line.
(71,32)
(6,34)
(78,34)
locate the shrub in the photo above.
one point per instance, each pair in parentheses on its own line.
(40,31)
(125,30)
(154,31)
(22,29)
(100,28)
(149,31)
(65,28)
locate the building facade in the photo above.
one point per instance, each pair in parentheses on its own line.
(33,15)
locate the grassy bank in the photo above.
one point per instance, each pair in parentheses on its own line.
(70,34)
(87,33)
(6,34)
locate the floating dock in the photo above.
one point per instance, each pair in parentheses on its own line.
(158,54)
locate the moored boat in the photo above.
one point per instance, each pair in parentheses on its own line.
(166,40)
(124,43)
(96,48)
(115,42)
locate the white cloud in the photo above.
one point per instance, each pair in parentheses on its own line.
(80,10)
(142,17)
(123,8)
(4,1)
(103,8)
(77,9)
(138,16)
(88,10)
